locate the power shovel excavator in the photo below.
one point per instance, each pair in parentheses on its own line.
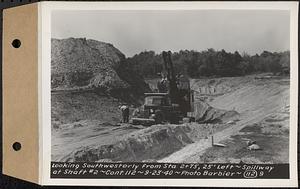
(173,103)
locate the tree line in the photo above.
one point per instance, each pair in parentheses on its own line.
(210,63)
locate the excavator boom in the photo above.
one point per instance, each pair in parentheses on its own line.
(168,66)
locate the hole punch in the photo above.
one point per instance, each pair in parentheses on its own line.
(17,146)
(16,43)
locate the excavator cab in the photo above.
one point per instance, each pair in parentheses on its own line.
(157,99)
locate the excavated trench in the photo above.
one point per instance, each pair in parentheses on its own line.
(204,113)
(148,144)
(155,142)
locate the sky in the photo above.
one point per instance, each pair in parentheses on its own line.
(133,31)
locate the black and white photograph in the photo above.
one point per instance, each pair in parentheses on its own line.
(170,86)
(150,93)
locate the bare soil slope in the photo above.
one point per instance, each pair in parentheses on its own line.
(86,64)
(256,99)
(81,62)
(263,111)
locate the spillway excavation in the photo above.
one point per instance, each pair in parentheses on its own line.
(112,142)
(87,94)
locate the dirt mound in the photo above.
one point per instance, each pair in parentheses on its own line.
(204,113)
(148,144)
(77,61)
(85,63)
(127,143)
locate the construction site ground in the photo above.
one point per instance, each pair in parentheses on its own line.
(85,126)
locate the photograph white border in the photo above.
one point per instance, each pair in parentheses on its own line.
(45,9)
